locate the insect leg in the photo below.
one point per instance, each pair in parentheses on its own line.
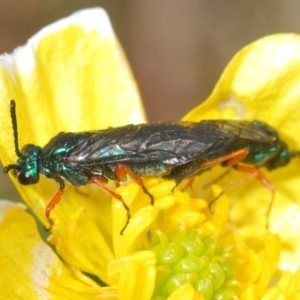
(229,186)
(101,182)
(123,170)
(231,159)
(54,201)
(208,184)
(220,177)
(256,172)
(188,185)
(234,159)
(197,166)
(179,173)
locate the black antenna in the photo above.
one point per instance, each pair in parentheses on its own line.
(15,129)
(15,126)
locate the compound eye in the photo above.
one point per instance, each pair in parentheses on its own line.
(25,178)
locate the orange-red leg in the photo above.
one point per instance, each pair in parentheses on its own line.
(255,172)
(51,205)
(101,182)
(263,180)
(189,184)
(123,170)
(229,186)
(231,159)
(55,200)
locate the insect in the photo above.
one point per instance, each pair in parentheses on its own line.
(173,150)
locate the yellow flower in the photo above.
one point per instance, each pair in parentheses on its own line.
(72,76)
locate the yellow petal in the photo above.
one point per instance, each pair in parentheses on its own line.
(135,275)
(142,216)
(262,82)
(29,268)
(185,292)
(84,246)
(70,76)
(286,288)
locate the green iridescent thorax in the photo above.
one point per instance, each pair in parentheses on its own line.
(56,151)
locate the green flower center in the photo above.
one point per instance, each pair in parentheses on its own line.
(191,257)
